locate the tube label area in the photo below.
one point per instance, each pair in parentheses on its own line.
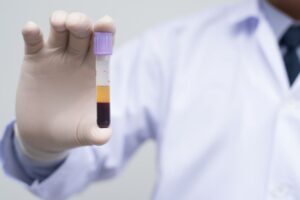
(102,70)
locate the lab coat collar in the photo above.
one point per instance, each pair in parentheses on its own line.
(248,16)
(246,12)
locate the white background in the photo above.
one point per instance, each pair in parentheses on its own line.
(132,17)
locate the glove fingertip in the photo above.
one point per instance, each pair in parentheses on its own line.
(99,136)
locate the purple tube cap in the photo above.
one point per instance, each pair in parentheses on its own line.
(103,42)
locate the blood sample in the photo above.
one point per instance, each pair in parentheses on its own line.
(102,51)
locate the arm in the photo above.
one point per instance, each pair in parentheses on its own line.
(23,167)
(134,78)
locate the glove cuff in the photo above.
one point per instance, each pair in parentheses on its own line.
(41,157)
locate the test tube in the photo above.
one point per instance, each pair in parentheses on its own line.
(103,50)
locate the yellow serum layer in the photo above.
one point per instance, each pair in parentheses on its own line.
(103,94)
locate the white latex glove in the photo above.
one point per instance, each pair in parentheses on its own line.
(56,104)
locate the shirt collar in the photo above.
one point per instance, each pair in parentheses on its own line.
(278,20)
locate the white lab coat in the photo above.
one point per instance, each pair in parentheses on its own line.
(212,91)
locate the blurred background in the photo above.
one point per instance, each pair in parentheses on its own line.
(132,17)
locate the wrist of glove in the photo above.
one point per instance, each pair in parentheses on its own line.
(39,156)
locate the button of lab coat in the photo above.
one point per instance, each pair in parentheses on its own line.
(281,192)
(292,103)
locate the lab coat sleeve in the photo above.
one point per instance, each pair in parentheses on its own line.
(135,110)
(21,166)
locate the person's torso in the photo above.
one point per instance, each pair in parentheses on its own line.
(232,125)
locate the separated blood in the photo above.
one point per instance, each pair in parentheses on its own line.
(103,50)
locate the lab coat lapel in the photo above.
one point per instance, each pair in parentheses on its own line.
(270,49)
(266,39)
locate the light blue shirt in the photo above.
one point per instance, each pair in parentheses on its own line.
(279,21)
(212,91)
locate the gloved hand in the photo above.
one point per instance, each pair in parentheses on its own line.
(56,104)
